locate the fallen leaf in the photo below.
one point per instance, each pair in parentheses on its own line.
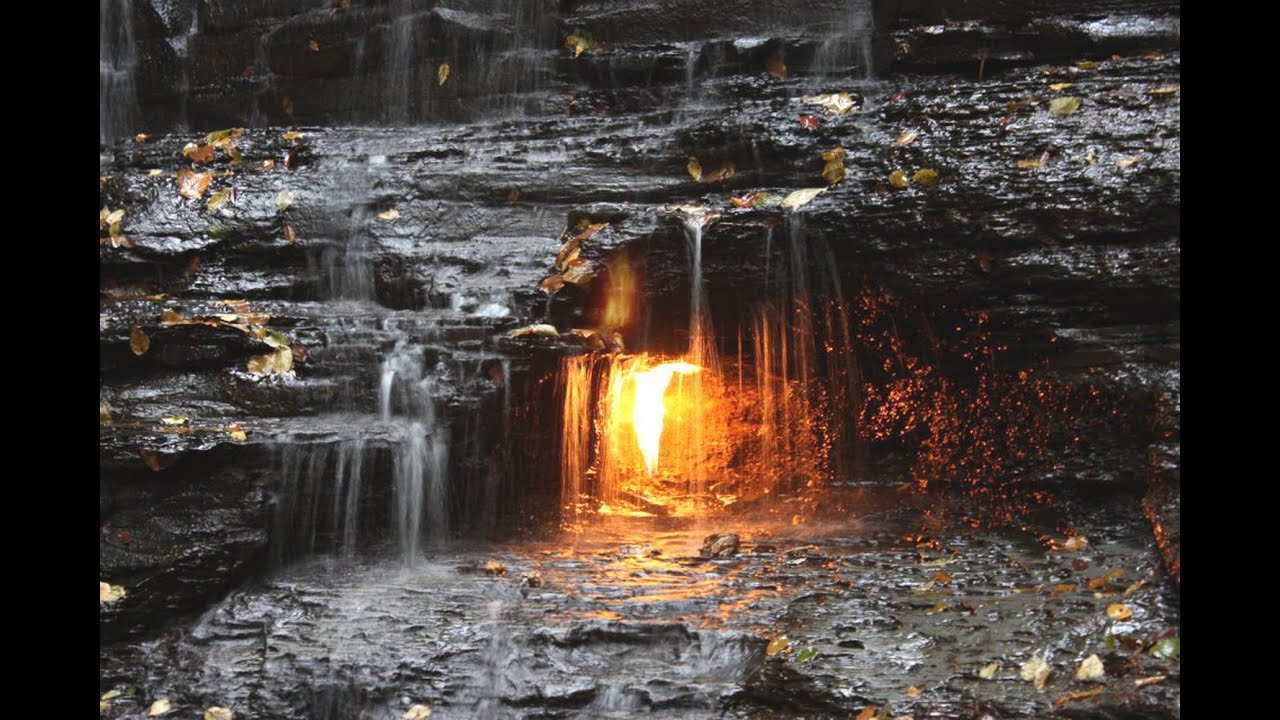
(720,174)
(988,671)
(1090,669)
(942,578)
(1077,696)
(540,330)
(1128,162)
(1165,90)
(104,411)
(913,691)
(1103,581)
(198,153)
(806,655)
(1167,649)
(218,713)
(867,713)
(586,229)
(809,122)
(442,73)
(1064,106)
(141,137)
(1119,611)
(417,712)
(171,317)
(776,67)
(289,236)
(750,200)
(800,198)
(1060,85)
(277,362)
(513,196)
(139,343)
(283,200)
(898,179)
(153,172)
(580,41)
(1028,164)
(237,433)
(777,645)
(152,460)
(833,170)
(936,608)
(835,103)
(579,273)
(906,138)
(191,184)
(290,135)
(268,164)
(1143,682)
(925,177)
(551,284)
(1035,671)
(291,158)
(218,199)
(493,567)
(159,707)
(313,45)
(1087,65)
(175,420)
(276,340)
(389,215)
(1061,588)
(108,593)
(1075,543)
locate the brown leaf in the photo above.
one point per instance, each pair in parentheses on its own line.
(291,159)
(513,196)
(835,103)
(913,691)
(1060,86)
(580,41)
(867,713)
(551,284)
(152,460)
(694,168)
(191,184)
(749,200)
(568,253)
(1119,611)
(442,73)
(268,165)
(299,351)
(541,330)
(579,273)
(171,317)
(906,138)
(898,179)
(289,237)
(776,67)
(1028,164)
(833,170)
(586,229)
(1128,162)
(1165,90)
(139,343)
(198,153)
(942,578)
(1077,696)
(809,122)
(722,173)
(926,177)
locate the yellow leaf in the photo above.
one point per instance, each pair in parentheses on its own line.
(442,73)
(198,153)
(777,645)
(1075,543)
(313,45)
(539,330)
(1035,671)
(1119,611)
(1090,669)
(108,593)
(898,179)
(141,137)
(218,713)
(389,215)
(417,712)
(139,343)
(159,707)
(835,103)
(218,199)
(283,200)
(800,198)
(988,671)
(579,42)
(290,135)
(906,138)
(1128,162)
(175,420)
(833,170)
(913,691)
(1064,106)
(237,433)
(1060,86)
(694,168)
(191,184)
(925,177)
(153,172)
(1087,65)
(1165,90)
(776,67)
(115,216)
(1028,164)
(276,362)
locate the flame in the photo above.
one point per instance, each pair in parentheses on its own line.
(648,410)
(621,294)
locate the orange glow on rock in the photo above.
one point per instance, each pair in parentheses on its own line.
(649,407)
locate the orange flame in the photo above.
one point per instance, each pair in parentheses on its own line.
(648,410)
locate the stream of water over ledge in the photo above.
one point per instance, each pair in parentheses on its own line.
(598,359)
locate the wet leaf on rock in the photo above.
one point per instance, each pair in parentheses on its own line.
(867,713)
(237,433)
(800,198)
(906,138)
(493,567)
(1102,581)
(551,284)
(191,184)
(198,153)
(141,137)
(834,103)
(277,362)
(898,179)
(175,420)
(417,712)
(1119,611)
(218,199)
(1168,648)
(1075,543)
(776,67)
(1035,671)
(833,169)
(579,273)
(1060,85)
(442,73)
(749,200)
(926,177)
(289,235)
(267,165)
(913,691)
(290,135)
(1165,90)
(777,645)
(580,41)
(218,713)
(720,174)
(1087,65)
(1090,669)
(283,200)
(694,168)
(988,671)
(104,411)
(275,339)
(108,593)
(539,330)
(806,655)
(1128,162)
(1064,106)
(139,343)
(1077,696)
(313,46)
(809,122)
(1028,164)
(159,707)
(389,215)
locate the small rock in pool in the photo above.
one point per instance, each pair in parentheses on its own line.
(720,545)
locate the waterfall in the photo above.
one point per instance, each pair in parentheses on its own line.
(117,66)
